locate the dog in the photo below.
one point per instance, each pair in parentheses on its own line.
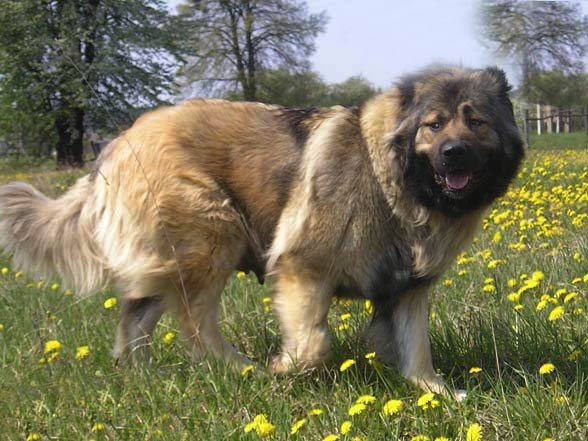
(373,202)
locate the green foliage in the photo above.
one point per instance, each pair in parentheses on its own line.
(536,35)
(307,89)
(236,41)
(558,88)
(69,64)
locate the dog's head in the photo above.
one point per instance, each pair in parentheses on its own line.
(455,138)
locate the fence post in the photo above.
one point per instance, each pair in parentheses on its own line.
(526,127)
(539,120)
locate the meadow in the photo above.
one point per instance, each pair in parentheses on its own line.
(508,324)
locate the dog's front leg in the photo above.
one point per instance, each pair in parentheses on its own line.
(301,301)
(400,332)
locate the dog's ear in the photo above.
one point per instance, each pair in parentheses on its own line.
(496,78)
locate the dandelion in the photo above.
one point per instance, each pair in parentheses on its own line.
(370,355)
(18,275)
(331,437)
(489,288)
(345,316)
(546,368)
(82,352)
(110,303)
(54,286)
(297,425)
(260,425)
(571,296)
(447,282)
(474,433)
(346,365)
(52,346)
(428,401)
(365,399)
(518,307)
(98,427)
(392,407)
(169,337)
(494,263)
(315,412)
(5,271)
(574,355)
(1,327)
(556,313)
(247,369)
(345,427)
(356,409)
(368,306)
(441,438)
(514,297)
(34,437)
(475,370)
(67,292)
(343,327)
(511,283)
(241,275)
(497,237)
(420,438)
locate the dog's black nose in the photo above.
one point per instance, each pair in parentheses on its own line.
(454,149)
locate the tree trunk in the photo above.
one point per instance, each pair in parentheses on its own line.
(70,139)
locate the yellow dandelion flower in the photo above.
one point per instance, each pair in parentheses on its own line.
(356,409)
(345,427)
(420,438)
(489,288)
(34,437)
(52,346)
(475,370)
(392,407)
(538,276)
(247,369)
(1,327)
(571,296)
(315,412)
(546,368)
(331,437)
(98,427)
(547,439)
(260,425)
(370,355)
(169,337)
(82,352)
(346,365)
(5,271)
(297,425)
(67,292)
(574,355)
(441,438)
(474,433)
(497,237)
(511,283)
(18,275)
(110,303)
(494,263)
(462,272)
(541,305)
(447,282)
(585,278)
(556,313)
(576,280)
(343,327)
(54,286)
(514,297)
(365,399)
(428,401)
(345,316)
(240,275)
(368,306)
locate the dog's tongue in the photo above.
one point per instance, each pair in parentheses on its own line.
(457,180)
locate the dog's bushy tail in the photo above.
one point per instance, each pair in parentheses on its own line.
(53,236)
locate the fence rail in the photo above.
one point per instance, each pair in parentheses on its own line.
(550,120)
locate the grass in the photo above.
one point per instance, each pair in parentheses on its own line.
(492,310)
(546,141)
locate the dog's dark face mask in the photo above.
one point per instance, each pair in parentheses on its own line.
(459,143)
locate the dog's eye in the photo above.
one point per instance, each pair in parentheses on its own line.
(434,126)
(476,122)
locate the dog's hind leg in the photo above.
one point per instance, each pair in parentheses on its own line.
(198,314)
(139,317)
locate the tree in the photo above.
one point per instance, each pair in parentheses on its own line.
(236,40)
(307,89)
(558,88)
(67,64)
(537,35)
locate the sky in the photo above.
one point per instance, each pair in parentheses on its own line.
(384,39)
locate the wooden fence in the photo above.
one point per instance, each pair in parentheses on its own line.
(550,119)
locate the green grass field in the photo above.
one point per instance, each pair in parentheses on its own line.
(514,306)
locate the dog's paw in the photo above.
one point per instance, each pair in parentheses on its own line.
(282,364)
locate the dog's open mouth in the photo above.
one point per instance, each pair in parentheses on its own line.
(456,181)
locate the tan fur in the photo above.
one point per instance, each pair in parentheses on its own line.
(190,193)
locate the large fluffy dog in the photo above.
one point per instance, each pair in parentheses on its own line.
(373,202)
